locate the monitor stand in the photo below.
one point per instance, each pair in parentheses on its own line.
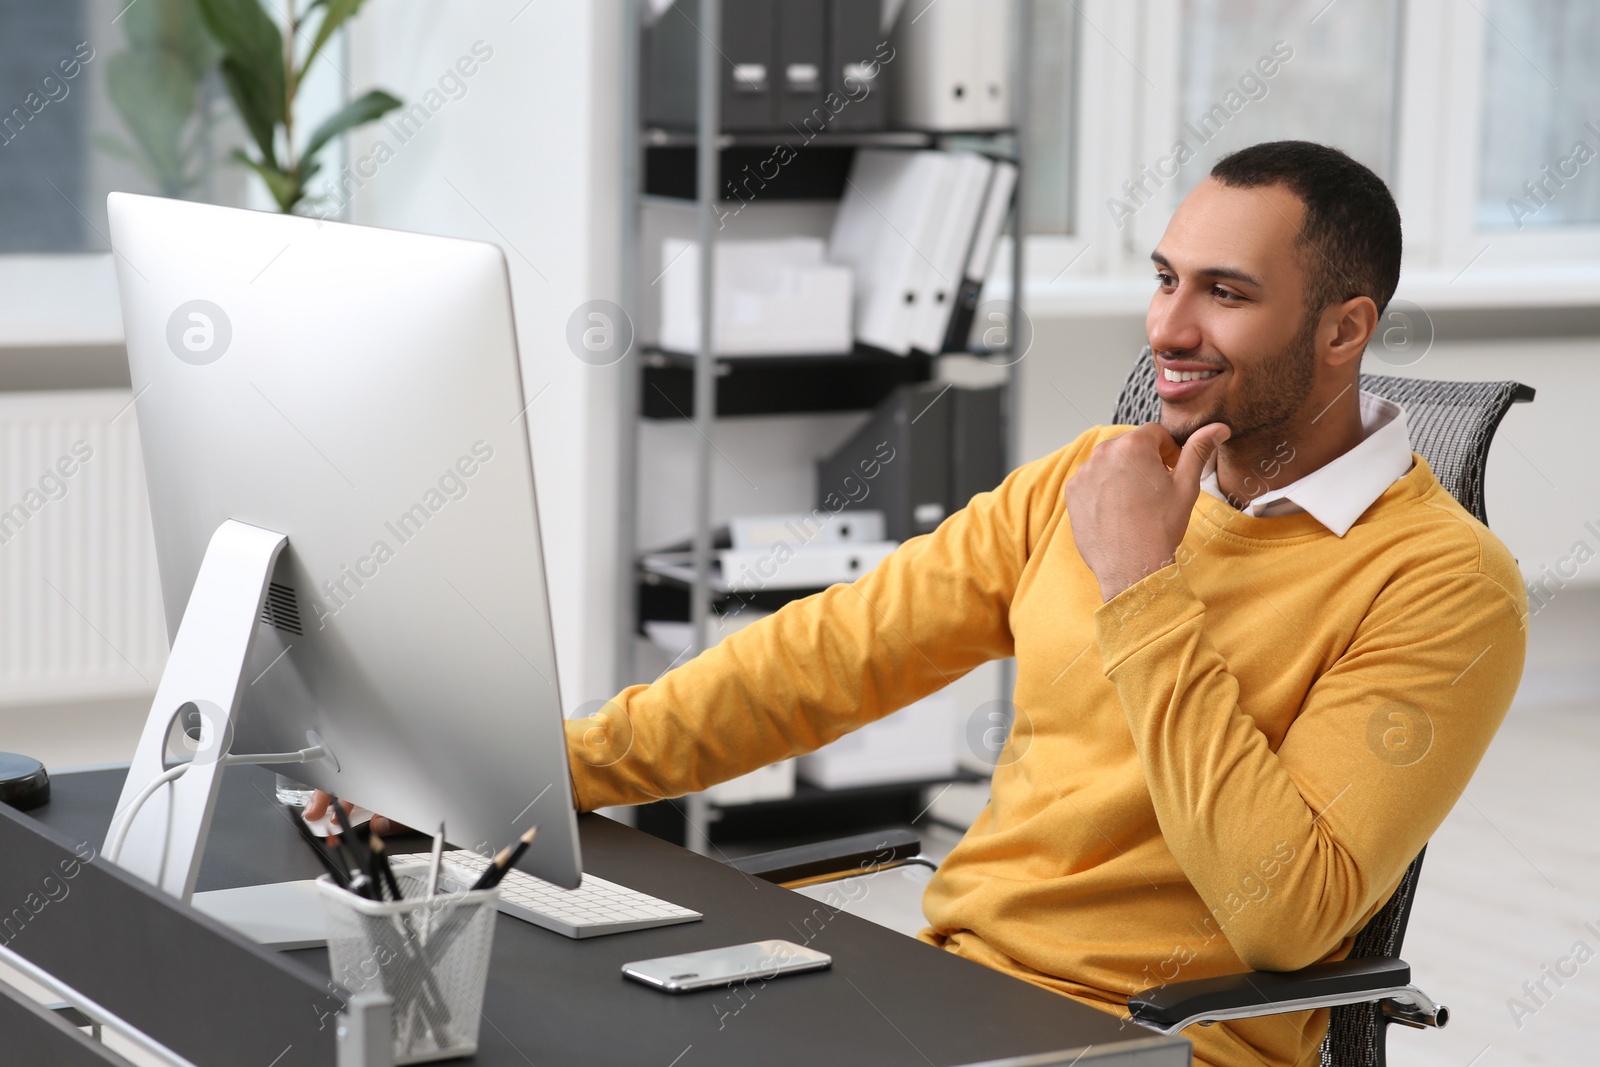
(204,679)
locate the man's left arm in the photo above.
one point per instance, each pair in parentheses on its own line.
(1293,848)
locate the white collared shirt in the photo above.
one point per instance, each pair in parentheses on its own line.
(1339,492)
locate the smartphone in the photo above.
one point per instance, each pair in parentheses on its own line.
(726,966)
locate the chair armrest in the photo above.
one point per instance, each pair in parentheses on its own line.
(840,857)
(1170,1008)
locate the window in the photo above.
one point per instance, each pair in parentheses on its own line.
(89,104)
(1480,115)
(36,144)
(1262,70)
(1048,177)
(1539,158)
(97,96)
(103,95)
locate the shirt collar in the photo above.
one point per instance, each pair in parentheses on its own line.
(1339,492)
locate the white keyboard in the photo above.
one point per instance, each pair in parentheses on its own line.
(596,908)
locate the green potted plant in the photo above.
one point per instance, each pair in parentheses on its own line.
(263,73)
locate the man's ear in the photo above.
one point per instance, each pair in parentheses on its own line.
(1352,324)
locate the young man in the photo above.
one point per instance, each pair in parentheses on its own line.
(1260,650)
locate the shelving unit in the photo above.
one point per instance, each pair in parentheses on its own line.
(777,385)
(687,170)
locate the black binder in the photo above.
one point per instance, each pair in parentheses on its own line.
(977,442)
(926,450)
(854,39)
(747,62)
(898,463)
(749,75)
(668,87)
(802,44)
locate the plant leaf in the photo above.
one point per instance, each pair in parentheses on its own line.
(250,100)
(363,109)
(336,14)
(254,48)
(172,28)
(284,189)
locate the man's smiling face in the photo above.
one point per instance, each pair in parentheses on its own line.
(1228,323)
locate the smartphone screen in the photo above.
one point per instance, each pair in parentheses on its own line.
(726,966)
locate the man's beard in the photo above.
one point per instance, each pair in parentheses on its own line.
(1267,401)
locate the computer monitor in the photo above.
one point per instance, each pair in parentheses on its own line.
(356,391)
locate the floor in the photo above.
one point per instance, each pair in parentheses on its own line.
(1509,883)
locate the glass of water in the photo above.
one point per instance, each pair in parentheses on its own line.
(292,792)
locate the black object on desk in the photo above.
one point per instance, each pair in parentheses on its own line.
(888,999)
(181,978)
(23,782)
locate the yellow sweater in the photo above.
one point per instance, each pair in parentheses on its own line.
(1226,767)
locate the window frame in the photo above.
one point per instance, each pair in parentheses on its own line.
(1129,120)
(67,299)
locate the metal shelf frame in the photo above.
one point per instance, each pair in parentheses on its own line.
(708,141)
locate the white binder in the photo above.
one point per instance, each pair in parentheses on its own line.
(883,232)
(992,65)
(945,271)
(800,528)
(951,65)
(991,220)
(996,202)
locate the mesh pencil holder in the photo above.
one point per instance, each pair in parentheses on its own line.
(430,955)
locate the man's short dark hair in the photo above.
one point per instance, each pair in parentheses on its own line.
(1350,236)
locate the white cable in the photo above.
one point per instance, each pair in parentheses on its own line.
(172,774)
(305,755)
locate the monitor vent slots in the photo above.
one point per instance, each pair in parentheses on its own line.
(281,611)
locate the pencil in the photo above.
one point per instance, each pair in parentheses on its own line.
(503,861)
(436,860)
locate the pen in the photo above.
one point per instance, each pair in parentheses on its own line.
(360,882)
(502,862)
(381,868)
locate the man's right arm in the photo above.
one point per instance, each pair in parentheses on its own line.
(930,612)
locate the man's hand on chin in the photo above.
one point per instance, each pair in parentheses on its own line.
(1129,503)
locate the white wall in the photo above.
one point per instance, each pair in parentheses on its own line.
(523,152)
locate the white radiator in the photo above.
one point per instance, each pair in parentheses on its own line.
(80,605)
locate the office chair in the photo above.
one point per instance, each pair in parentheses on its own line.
(1452,425)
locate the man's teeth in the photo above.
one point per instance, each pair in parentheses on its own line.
(1187,375)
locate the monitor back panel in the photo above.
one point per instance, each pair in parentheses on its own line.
(359,390)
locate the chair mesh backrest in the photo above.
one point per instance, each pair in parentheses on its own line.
(1451,426)
(1356,1031)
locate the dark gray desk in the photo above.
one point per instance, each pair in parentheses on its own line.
(554,1001)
